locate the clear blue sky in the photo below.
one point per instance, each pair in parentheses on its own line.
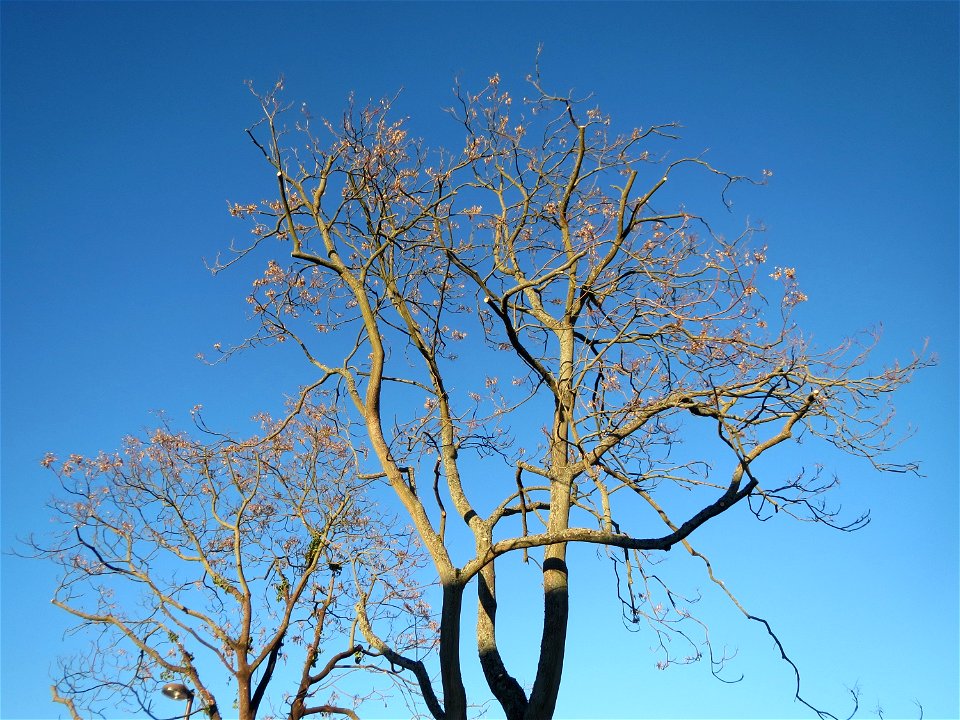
(122,140)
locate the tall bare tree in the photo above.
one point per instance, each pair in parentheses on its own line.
(548,276)
(216,562)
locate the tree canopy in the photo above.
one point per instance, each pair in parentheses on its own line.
(521,333)
(218,560)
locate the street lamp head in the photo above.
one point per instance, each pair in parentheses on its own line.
(177,691)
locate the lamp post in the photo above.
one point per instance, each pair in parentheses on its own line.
(179,691)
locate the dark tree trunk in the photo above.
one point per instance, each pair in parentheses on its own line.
(454,695)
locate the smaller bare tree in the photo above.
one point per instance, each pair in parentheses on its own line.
(213,562)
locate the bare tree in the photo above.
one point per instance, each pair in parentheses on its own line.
(594,307)
(214,562)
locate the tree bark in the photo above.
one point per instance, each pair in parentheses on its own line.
(451,677)
(504,687)
(546,687)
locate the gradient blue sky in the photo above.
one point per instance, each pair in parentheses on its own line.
(122,140)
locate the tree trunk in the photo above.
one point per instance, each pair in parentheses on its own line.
(546,687)
(454,695)
(504,687)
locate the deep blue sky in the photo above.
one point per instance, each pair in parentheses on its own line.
(122,140)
